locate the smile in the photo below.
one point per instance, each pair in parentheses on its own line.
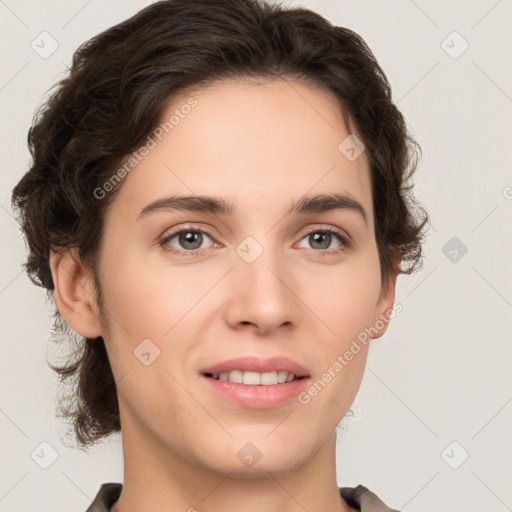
(254,378)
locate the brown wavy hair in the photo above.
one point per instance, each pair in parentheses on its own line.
(112,99)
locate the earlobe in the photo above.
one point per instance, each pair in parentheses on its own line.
(386,301)
(74,293)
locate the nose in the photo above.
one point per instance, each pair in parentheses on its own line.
(261,296)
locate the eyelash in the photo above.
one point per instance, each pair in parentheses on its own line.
(326,252)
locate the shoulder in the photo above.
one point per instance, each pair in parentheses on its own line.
(364,500)
(106,497)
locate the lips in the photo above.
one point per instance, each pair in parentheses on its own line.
(263,396)
(256,364)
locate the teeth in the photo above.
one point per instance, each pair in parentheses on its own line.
(255,378)
(281,376)
(235,376)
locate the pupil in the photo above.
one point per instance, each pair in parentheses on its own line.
(187,237)
(320,236)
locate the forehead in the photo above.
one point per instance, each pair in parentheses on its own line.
(259,145)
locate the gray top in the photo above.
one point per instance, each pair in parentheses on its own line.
(359,497)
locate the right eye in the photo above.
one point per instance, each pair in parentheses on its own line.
(186,241)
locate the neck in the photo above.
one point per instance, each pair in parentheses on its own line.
(157,478)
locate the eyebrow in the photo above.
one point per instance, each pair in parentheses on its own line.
(219,206)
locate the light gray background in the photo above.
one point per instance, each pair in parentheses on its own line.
(441,373)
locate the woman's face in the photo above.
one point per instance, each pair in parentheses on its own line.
(185,290)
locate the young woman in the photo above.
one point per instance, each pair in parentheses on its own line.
(218,203)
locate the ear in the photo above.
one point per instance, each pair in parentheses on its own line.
(387,296)
(74,293)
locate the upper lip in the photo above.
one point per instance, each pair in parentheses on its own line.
(260,365)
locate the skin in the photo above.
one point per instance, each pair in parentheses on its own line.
(260,146)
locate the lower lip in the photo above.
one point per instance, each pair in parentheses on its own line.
(259,397)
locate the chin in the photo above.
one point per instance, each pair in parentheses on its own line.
(258,458)
(261,470)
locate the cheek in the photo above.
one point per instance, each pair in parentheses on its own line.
(347,308)
(345,298)
(148,300)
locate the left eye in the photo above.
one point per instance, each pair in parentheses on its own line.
(322,239)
